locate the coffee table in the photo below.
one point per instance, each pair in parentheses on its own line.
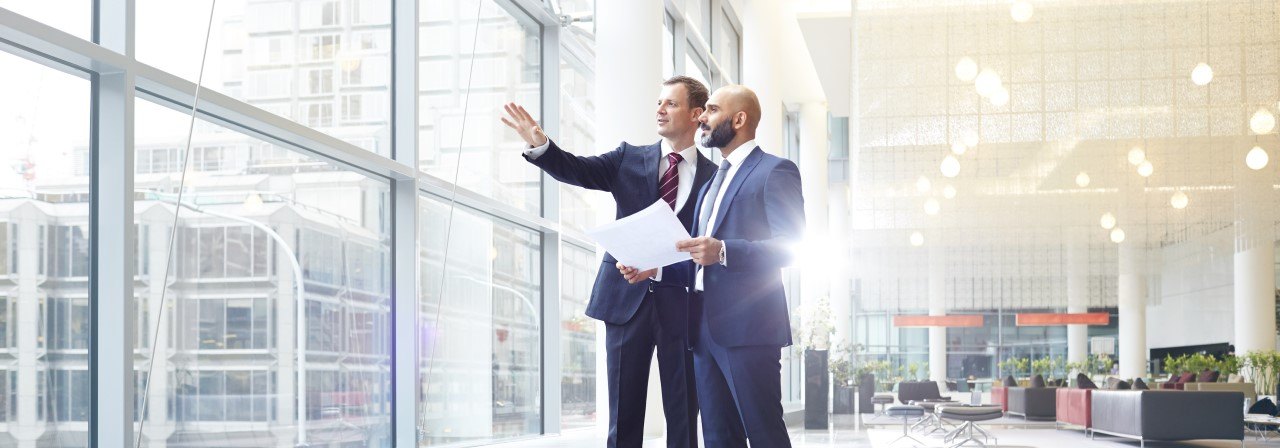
(1261,421)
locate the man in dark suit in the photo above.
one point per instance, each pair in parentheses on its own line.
(649,309)
(749,216)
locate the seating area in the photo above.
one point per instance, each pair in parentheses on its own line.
(1118,411)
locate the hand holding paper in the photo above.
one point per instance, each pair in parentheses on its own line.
(645,240)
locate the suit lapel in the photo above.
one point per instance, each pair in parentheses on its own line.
(705,170)
(651,170)
(739,177)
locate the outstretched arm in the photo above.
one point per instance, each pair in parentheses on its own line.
(593,172)
(520,121)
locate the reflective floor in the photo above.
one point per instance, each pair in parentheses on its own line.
(848,431)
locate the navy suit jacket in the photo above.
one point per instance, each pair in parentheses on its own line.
(760,218)
(630,173)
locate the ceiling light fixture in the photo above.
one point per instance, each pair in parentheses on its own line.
(1137,156)
(1117,235)
(931,206)
(1021,11)
(1262,121)
(1257,158)
(950,166)
(1082,179)
(1145,169)
(917,239)
(1108,221)
(987,82)
(923,185)
(1202,74)
(1179,200)
(949,192)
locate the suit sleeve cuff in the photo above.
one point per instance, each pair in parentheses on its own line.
(536,152)
(657,277)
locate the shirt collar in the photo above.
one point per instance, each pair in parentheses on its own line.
(738,155)
(686,155)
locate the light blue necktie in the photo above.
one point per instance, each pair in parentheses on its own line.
(709,201)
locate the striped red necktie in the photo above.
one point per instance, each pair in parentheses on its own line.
(670,181)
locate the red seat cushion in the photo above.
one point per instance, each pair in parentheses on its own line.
(1001,395)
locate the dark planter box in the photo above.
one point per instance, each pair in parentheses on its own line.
(815,389)
(866,389)
(842,399)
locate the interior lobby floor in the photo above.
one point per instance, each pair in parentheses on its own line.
(848,431)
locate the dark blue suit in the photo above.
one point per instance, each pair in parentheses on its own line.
(741,314)
(645,315)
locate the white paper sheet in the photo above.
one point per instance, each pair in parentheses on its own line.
(646,239)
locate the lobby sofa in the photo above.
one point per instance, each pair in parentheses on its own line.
(1168,415)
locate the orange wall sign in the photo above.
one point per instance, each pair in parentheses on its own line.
(959,320)
(1056,319)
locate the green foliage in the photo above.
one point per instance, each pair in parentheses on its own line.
(1199,362)
(1078,367)
(1228,365)
(1264,369)
(1041,367)
(1101,364)
(844,366)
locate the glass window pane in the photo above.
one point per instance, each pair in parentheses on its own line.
(233,351)
(73,16)
(727,49)
(668,46)
(239,242)
(696,68)
(699,15)
(481,343)
(578,338)
(44,142)
(580,208)
(507,68)
(283,56)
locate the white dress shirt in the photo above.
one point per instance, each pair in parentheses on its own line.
(735,160)
(686,170)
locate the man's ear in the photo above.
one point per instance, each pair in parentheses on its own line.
(739,120)
(697,113)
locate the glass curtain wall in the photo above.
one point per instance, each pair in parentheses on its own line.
(262,254)
(45,238)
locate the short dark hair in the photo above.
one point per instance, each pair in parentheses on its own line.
(698,93)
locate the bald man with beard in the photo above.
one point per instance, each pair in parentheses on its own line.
(748,216)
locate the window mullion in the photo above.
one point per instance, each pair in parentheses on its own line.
(111,289)
(404,225)
(550,319)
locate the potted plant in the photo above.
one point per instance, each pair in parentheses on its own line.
(1101,364)
(1262,368)
(1227,366)
(1023,365)
(1009,367)
(1041,367)
(844,375)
